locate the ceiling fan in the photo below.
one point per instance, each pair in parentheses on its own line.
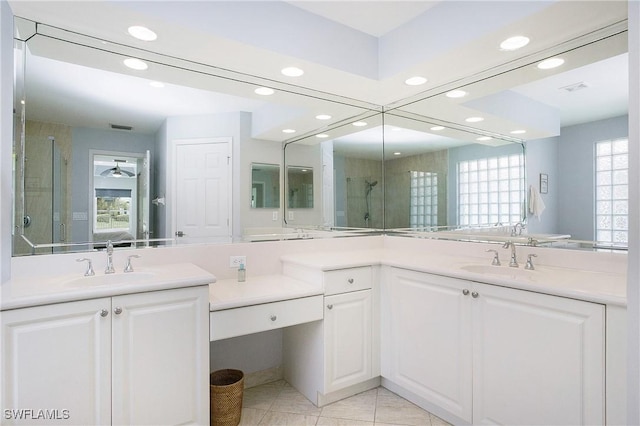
(116,171)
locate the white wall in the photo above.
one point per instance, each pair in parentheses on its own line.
(633,265)
(6,132)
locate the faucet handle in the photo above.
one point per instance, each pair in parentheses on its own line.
(129,267)
(89,272)
(496,258)
(529,264)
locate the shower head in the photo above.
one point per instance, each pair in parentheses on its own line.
(372,184)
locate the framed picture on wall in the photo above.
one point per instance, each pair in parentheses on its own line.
(544,183)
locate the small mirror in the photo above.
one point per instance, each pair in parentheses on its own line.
(265,186)
(299,187)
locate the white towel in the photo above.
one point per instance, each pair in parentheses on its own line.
(536,205)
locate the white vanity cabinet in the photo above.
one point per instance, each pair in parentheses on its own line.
(484,354)
(131,359)
(334,358)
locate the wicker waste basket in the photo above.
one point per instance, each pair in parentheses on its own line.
(226,390)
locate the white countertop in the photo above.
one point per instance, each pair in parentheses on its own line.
(229,293)
(66,288)
(593,286)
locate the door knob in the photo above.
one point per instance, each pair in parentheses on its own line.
(475,294)
(104,313)
(273,317)
(350,280)
(329,306)
(465,292)
(117,310)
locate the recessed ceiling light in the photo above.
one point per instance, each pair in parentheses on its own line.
(397,153)
(323,117)
(136,64)
(142,33)
(484,138)
(157,84)
(456,94)
(292,71)
(322,135)
(550,63)
(360,123)
(474,119)
(514,43)
(437,128)
(288,131)
(415,81)
(518,132)
(264,91)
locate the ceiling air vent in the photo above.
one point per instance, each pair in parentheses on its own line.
(120,127)
(575,87)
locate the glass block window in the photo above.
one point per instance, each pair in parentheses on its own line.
(491,190)
(612,193)
(424,199)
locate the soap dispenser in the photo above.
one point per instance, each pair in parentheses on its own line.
(242,273)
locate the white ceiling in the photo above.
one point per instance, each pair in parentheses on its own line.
(445,41)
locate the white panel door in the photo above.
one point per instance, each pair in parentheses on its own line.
(348,337)
(427,340)
(538,359)
(161,357)
(202,190)
(57,358)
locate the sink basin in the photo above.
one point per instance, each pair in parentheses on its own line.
(110,279)
(505,271)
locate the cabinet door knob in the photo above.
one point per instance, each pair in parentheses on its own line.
(329,306)
(475,294)
(350,280)
(104,313)
(465,292)
(273,317)
(117,310)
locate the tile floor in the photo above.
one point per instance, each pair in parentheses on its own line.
(278,403)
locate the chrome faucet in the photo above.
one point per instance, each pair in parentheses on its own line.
(109,269)
(513,262)
(517,229)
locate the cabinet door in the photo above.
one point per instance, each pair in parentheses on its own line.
(538,359)
(56,363)
(161,357)
(426,347)
(348,326)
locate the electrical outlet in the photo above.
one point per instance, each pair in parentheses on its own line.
(235,261)
(274,216)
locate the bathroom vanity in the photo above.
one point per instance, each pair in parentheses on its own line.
(432,321)
(133,351)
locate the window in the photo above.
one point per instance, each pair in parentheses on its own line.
(424,199)
(491,190)
(112,207)
(612,193)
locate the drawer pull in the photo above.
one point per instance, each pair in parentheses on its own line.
(350,280)
(104,313)
(465,292)
(474,294)
(118,310)
(273,317)
(329,306)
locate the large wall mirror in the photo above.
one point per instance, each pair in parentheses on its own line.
(193,125)
(418,164)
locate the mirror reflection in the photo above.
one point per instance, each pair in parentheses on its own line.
(299,187)
(265,186)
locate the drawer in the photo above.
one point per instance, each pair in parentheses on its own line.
(268,316)
(345,280)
